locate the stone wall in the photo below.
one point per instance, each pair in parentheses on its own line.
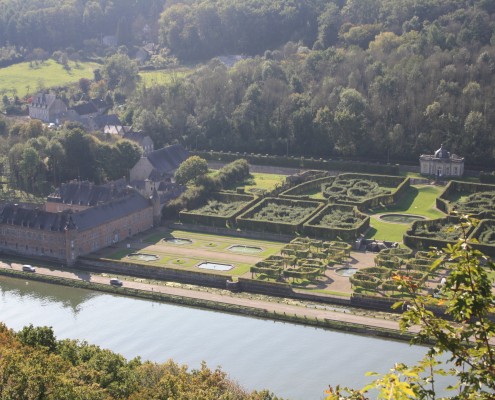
(152,272)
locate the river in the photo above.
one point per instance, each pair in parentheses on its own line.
(293,361)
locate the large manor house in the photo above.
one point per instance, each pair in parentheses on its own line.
(81,217)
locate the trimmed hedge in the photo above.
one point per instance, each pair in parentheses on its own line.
(483,237)
(457,188)
(400,184)
(299,192)
(416,239)
(400,252)
(248,219)
(300,162)
(196,217)
(360,222)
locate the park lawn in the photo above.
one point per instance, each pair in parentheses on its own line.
(419,200)
(23,80)
(263,182)
(164,76)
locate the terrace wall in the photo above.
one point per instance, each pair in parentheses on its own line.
(153,272)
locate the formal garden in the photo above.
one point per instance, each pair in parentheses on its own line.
(301,260)
(317,219)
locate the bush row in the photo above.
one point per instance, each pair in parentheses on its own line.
(197,196)
(301,162)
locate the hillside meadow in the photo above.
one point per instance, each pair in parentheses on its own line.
(22,79)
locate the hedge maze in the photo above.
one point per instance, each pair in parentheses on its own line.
(278,215)
(220,210)
(433,233)
(475,199)
(337,222)
(303,259)
(391,265)
(362,190)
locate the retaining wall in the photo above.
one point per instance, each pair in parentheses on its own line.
(152,272)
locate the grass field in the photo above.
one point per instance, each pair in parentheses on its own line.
(163,77)
(203,247)
(419,200)
(260,182)
(23,80)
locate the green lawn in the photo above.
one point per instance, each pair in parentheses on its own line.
(262,182)
(22,79)
(419,200)
(163,77)
(214,243)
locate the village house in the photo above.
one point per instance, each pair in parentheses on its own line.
(47,108)
(159,165)
(143,141)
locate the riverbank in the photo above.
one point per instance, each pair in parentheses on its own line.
(298,312)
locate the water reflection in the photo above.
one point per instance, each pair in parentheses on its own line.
(68,297)
(295,362)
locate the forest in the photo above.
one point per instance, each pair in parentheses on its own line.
(383,80)
(35,365)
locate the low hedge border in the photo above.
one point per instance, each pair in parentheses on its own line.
(217,306)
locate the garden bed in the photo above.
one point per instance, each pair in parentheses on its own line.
(474,199)
(278,215)
(337,222)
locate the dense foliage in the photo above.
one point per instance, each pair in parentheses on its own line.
(440,229)
(215,207)
(41,158)
(462,334)
(476,203)
(34,365)
(280,212)
(197,196)
(387,80)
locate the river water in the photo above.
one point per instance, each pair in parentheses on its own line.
(293,361)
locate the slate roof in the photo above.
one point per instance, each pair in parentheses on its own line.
(43,100)
(168,159)
(169,191)
(85,108)
(111,119)
(111,211)
(61,221)
(85,193)
(35,218)
(137,137)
